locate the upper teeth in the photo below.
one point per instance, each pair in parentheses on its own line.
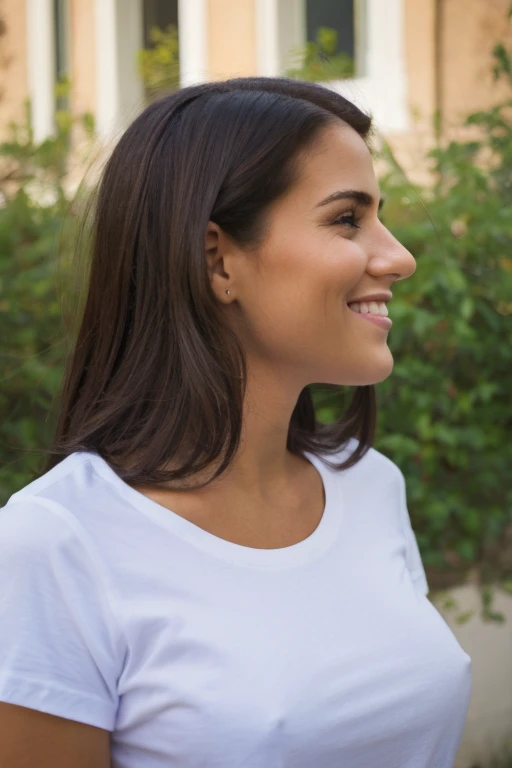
(373,308)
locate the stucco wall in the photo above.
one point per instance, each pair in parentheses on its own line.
(13,64)
(231,38)
(470,30)
(419,18)
(463,61)
(83,60)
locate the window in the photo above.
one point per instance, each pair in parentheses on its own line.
(160,59)
(62,63)
(372,32)
(336,14)
(300,20)
(159,13)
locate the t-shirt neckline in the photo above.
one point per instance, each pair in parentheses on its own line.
(300,553)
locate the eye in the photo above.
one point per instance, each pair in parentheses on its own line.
(348,220)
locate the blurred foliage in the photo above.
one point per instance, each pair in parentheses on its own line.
(445,414)
(448,400)
(36,223)
(318,61)
(159,65)
(500,759)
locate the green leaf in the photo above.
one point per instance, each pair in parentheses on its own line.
(463,618)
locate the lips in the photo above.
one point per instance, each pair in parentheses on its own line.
(384,296)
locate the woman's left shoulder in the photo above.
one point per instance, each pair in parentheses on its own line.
(373,464)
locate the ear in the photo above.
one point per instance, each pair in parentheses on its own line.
(214,246)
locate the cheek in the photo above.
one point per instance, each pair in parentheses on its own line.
(304,282)
(346,265)
(318,263)
(331,275)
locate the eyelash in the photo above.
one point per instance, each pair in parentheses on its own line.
(348,220)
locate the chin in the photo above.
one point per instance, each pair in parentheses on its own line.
(377,372)
(362,374)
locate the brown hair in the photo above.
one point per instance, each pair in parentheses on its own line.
(155,373)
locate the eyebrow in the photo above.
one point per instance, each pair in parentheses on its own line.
(363,198)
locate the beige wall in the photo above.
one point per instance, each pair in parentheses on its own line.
(83,62)
(469,31)
(471,28)
(463,60)
(231,38)
(419,16)
(13,64)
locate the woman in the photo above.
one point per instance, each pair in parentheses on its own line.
(206,575)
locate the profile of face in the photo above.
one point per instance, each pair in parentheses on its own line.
(298,297)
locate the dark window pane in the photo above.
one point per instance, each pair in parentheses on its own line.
(61,48)
(159,13)
(336,14)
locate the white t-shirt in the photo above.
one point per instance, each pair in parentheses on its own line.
(198,652)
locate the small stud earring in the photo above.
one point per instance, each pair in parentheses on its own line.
(227,292)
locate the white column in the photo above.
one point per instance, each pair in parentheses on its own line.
(130,39)
(41,66)
(119,88)
(107,76)
(267,37)
(382,90)
(386,63)
(193,40)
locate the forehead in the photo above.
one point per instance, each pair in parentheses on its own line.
(338,158)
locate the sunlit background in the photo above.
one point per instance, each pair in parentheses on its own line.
(437,77)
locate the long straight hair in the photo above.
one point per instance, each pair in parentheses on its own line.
(156,375)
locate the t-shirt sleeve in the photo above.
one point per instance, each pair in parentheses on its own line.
(413,557)
(60,649)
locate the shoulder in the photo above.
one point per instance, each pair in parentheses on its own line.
(374,481)
(40,538)
(64,475)
(46,548)
(33,523)
(76,492)
(373,465)
(54,517)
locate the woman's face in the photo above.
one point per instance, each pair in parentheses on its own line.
(325,248)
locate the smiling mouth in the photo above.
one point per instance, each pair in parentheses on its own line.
(375,312)
(377,308)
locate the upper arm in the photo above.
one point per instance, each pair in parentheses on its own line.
(31,738)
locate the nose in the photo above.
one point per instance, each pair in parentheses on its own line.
(389,257)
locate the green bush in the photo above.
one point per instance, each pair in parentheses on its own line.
(446,409)
(445,413)
(36,223)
